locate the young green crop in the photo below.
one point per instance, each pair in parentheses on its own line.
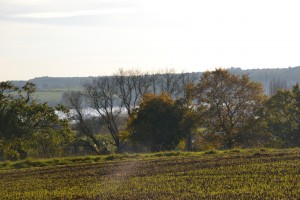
(251,174)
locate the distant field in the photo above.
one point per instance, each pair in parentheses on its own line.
(51,96)
(235,174)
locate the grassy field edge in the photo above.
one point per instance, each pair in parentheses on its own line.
(30,162)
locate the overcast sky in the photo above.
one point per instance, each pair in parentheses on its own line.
(96,37)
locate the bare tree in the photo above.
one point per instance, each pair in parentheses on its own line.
(174,83)
(168,82)
(143,84)
(131,86)
(101,94)
(110,96)
(184,82)
(153,79)
(76,101)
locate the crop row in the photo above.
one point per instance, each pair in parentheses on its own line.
(259,176)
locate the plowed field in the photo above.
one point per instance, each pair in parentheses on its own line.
(235,175)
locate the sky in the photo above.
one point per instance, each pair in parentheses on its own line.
(62,38)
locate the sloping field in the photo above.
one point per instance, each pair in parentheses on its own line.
(253,174)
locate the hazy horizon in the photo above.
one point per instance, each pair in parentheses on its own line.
(79,38)
(150,72)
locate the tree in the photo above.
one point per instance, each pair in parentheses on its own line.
(277,84)
(101,94)
(156,123)
(170,82)
(112,96)
(23,120)
(131,85)
(226,102)
(85,125)
(282,115)
(187,107)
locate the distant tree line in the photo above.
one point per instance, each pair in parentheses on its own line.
(163,111)
(272,79)
(115,98)
(133,111)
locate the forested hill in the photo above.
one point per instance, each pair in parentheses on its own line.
(56,83)
(291,75)
(50,89)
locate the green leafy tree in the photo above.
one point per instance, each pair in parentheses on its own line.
(156,123)
(282,115)
(189,120)
(226,102)
(23,122)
